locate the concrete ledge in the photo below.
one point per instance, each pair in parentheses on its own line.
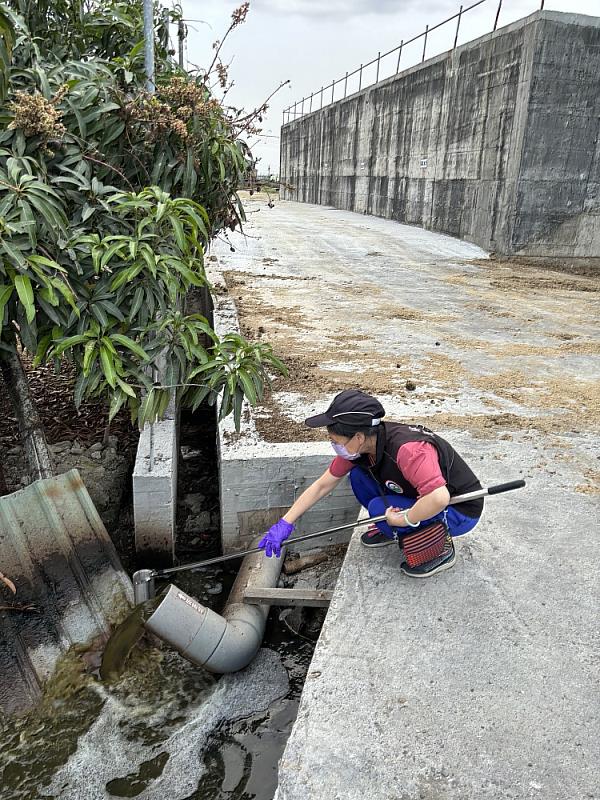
(155,488)
(260,480)
(477,684)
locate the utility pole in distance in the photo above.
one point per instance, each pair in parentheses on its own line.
(181,38)
(149,45)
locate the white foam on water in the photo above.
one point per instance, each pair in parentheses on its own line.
(106,752)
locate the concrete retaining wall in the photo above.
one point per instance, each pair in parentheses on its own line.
(496,142)
(260,480)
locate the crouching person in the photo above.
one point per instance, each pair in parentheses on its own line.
(404,471)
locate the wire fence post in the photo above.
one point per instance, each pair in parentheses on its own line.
(542,5)
(399,57)
(498,14)
(295,111)
(460,10)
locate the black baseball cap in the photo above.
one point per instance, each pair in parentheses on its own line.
(351,407)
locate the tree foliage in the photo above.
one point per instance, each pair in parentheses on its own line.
(109,197)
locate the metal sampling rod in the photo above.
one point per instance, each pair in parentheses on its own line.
(161,573)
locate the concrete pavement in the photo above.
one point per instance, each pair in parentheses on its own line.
(482,682)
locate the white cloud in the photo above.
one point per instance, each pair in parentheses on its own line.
(346,9)
(313,41)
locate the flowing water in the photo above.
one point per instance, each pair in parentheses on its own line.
(135,720)
(146,723)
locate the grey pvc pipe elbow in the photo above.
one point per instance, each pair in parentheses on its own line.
(218,643)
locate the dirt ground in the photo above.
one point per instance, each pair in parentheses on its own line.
(457,340)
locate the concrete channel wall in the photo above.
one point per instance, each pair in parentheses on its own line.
(496,142)
(259,480)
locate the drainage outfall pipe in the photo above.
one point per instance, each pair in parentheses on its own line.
(218,643)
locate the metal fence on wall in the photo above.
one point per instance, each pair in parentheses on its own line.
(321,98)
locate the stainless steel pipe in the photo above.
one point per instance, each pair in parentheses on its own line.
(143,585)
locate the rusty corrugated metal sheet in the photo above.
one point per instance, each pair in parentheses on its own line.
(55,548)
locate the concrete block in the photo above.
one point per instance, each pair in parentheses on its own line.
(155,490)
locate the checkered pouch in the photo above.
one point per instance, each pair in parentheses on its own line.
(425,544)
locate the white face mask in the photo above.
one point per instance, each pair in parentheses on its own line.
(340,450)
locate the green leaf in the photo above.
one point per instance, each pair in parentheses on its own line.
(25,292)
(70,341)
(248,387)
(179,233)
(147,407)
(79,390)
(13,252)
(115,247)
(42,350)
(138,299)
(125,341)
(116,403)
(42,261)
(5,295)
(100,314)
(108,367)
(126,387)
(89,354)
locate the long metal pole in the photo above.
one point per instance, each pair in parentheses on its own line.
(425,42)
(498,489)
(149,45)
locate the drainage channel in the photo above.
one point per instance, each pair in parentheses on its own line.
(164,728)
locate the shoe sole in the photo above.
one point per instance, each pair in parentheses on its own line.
(446,565)
(379,544)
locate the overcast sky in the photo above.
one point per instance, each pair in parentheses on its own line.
(312,42)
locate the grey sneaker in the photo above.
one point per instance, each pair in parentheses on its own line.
(444,561)
(373,537)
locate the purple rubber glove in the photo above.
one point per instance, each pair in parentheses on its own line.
(274,538)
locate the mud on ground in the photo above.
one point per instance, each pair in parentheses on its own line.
(536,326)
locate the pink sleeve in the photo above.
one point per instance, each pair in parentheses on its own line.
(340,467)
(420,465)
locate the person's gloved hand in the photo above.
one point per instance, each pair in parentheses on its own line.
(274,538)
